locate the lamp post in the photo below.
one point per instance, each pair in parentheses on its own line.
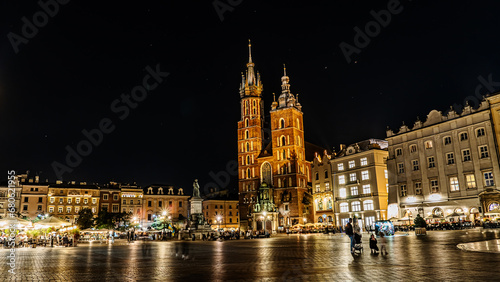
(219,219)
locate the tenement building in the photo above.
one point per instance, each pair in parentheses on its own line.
(352,183)
(33,197)
(273,169)
(66,200)
(447,166)
(164,200)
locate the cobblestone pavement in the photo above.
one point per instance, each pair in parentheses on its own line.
(313,257)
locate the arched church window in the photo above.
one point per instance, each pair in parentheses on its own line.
(283,141)
(248,173)
(298,124)
(248,147)
(282,123)
(247,108)
(266,173)
(246,122)
(247,134)
(283,155)
(248,160)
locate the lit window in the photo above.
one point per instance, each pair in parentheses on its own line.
(366,189)
(418,188)
(434,186)
(401,168)
(342,193)
(364,161)
(403,191)
(368,205)
(466,155)
(352,177)
(450,157)
(51,209)
(447,140)
(59,209)
(340,167)
(399,152)
(480,132)
(341,179)
(94,201)
(454,184)
(483,151)
(386,174)
(352,164)
(344,207)
(464,136)
(356,206)
(471,181)
(413,148)
(327,186)
(52,200)
(317,188)
(415,165)
(428,144)
(488,179)
(68,210)
(77,200)
(85,201)
(365,175)
(69,200)
(430,161)
(354,191)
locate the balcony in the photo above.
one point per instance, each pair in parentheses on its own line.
(357,196)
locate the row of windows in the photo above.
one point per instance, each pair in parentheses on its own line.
(317,175)
(319,205)
(124,202)
(69,209)
(365,175)
(281,123)
(222,207)
(356,206)
(106,197)
(450,159)
(230,213)
(470,183)
(354,191)
(70,200)
(160,203)
(352,164)
(247,109)
(327,187)
(464,136)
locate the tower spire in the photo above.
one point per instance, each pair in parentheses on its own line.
(284,70)
(249,51)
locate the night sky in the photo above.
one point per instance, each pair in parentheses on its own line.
(65,78)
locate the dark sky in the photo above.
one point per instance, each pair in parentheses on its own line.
(64,79)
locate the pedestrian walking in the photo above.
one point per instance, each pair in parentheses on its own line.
(373,244)
(383,241)
(350,232)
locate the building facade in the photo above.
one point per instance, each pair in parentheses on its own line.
(322,189)
(33,197)
(222,213)
(160,199)
(360,183)
(132,201)
(66,200)
(442,167)
(5,195)
(277,159)
(110,198)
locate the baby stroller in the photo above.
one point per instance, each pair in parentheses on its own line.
(358,247)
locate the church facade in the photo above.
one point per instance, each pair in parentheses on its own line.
(273,170)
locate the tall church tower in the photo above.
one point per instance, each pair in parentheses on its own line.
(250,136)
(290,168)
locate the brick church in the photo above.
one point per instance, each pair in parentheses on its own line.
(274,169)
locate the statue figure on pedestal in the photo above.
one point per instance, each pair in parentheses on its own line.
(196,189)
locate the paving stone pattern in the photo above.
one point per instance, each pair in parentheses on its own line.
(313,257)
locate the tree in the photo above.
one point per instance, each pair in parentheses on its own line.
(420,222)
(105,220)
(85,218)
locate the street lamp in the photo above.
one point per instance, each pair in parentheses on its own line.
(219,220)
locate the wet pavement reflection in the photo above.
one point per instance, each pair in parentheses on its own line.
(311,257)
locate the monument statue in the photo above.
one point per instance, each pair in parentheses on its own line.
(196,189)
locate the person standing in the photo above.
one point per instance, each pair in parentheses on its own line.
(350,232)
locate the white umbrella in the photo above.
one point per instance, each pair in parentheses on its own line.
(14,221)
(52,222)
